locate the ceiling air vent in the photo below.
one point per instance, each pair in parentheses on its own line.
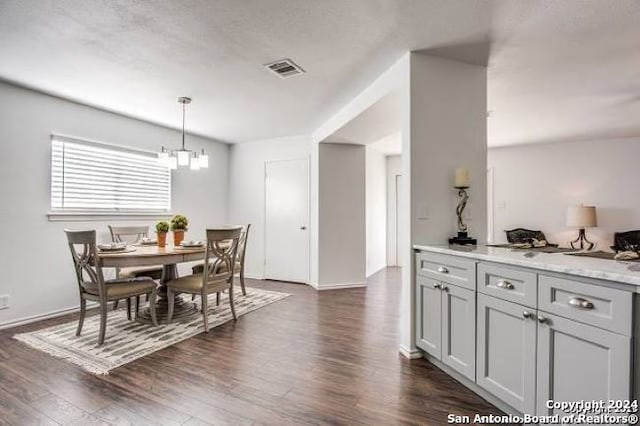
(284,68)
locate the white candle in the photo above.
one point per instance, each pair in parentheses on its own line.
(461,178)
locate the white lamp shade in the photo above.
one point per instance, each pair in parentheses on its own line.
(204,161)
(461,178)
(183,158)
(582,216)
(195,163)
(163,158)
(173,163)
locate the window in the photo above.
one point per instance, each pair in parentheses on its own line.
(91,177)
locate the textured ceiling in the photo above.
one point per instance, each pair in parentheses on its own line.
(558,69)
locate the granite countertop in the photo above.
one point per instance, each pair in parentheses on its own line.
(627,272)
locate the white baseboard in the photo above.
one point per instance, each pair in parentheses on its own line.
(48,315)
(254,277)
(322,287)
(414,353)
(378,269)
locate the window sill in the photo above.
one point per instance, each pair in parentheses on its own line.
(105,216)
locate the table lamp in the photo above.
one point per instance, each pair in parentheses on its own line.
(581,217)
(461,183)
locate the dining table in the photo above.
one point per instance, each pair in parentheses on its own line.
(152,255)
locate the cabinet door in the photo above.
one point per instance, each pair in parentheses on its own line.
(507,352)
(580,362)
(429,316)
(459,329)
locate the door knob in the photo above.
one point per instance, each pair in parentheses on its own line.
(303,227)
(526,314)
(542,319)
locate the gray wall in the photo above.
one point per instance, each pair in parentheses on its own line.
(342,234)
(36,267)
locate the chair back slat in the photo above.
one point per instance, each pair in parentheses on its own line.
(86,262)
(242,247)
(128,234)
(221,255)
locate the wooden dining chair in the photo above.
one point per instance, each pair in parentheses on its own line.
(222,249)
(239,265)
(92,285)
(133,235)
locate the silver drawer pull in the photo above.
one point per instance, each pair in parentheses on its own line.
(505,284)
(445,288)
(542,319)
(443,270)
(437,285)
(526,314)
(580,303)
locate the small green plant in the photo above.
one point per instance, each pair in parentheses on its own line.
(162,226)
(179,223)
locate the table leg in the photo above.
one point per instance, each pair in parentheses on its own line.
(182,309)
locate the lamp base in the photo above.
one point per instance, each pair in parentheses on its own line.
(463,239)
(580,242)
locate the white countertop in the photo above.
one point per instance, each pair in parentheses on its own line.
(611,270)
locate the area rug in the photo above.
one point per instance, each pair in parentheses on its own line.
(127,340)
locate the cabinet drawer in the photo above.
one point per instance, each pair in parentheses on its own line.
(514,285)
(452,269)
(602,307)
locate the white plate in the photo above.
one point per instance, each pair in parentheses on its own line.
(191,244)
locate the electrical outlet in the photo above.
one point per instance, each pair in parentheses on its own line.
(4,301)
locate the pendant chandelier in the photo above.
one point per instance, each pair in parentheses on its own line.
(183,157)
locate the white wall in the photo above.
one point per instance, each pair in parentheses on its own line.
(394,169)
(246,193)
(341,216)
(444,127)
(534,184)
(37,270)
(376,210)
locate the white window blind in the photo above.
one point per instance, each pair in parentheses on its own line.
(94,177)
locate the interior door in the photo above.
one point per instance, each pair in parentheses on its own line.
(286,220)
(398,201)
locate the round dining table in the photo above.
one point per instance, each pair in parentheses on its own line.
(168,257)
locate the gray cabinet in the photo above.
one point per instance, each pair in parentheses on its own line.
(459,329)
(429,316)
(527,336)
(580,362)
(507,352)
(445,326)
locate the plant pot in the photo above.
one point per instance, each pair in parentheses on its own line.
(178,236)
(162,239)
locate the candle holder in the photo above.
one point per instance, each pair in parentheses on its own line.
(463,236)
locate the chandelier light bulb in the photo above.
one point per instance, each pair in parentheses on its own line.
(183,158)
(204,160)
(163,157)
(195,162)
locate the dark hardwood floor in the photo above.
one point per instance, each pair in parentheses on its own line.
(314,358)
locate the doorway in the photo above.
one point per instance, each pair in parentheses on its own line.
(286,220)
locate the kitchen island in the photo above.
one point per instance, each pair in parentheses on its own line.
(522,328)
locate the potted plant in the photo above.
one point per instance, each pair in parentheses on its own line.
(178,226)
(162,228)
